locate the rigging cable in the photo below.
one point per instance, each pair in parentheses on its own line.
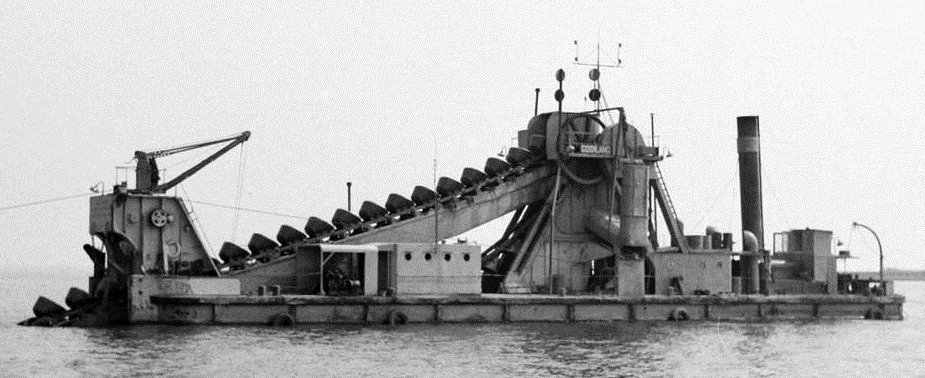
(237,200)
(186,147)
(195,218)
(196,156)
(770,185)
(249,210)
(716,200)
(606,105)
(11,207)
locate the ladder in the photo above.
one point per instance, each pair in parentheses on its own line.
(668,210)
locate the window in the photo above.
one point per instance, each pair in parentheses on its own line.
(649,277)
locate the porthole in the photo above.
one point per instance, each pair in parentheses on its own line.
(466,257)
(408,256)
(427,257)
(447,257)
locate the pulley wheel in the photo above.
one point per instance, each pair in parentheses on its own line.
(159,218)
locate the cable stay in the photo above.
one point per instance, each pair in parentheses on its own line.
(717,197)
(239,190)
(236,208)
(40,202)
(195,218)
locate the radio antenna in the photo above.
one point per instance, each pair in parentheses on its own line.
(595,73)
(614,63)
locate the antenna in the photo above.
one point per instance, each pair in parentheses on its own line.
(595,73)
(614,63)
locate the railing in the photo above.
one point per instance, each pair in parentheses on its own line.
(671,216)
(664,189)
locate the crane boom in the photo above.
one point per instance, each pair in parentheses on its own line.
(146,172)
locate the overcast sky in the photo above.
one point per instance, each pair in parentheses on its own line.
(373,93)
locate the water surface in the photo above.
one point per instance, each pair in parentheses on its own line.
(823,348)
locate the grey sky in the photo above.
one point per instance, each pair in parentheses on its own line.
(364,93)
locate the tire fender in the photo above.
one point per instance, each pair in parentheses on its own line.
(679,314)
(282,319)
(396,317)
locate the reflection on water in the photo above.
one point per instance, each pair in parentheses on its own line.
(731,349)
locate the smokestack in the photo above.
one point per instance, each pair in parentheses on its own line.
(750,177)
(750,195)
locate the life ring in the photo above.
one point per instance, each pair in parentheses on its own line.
(396,317)
(873,314)
(679,314)
(282,319)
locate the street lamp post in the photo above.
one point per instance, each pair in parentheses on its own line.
(879,246)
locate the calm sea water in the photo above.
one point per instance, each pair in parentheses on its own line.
(824,348)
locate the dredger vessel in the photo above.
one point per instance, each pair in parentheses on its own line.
(588,200)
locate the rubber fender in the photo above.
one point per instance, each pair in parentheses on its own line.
(679,314)
(282,319)
(396,317)
(873,314)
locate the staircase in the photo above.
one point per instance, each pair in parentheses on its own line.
(668,210)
